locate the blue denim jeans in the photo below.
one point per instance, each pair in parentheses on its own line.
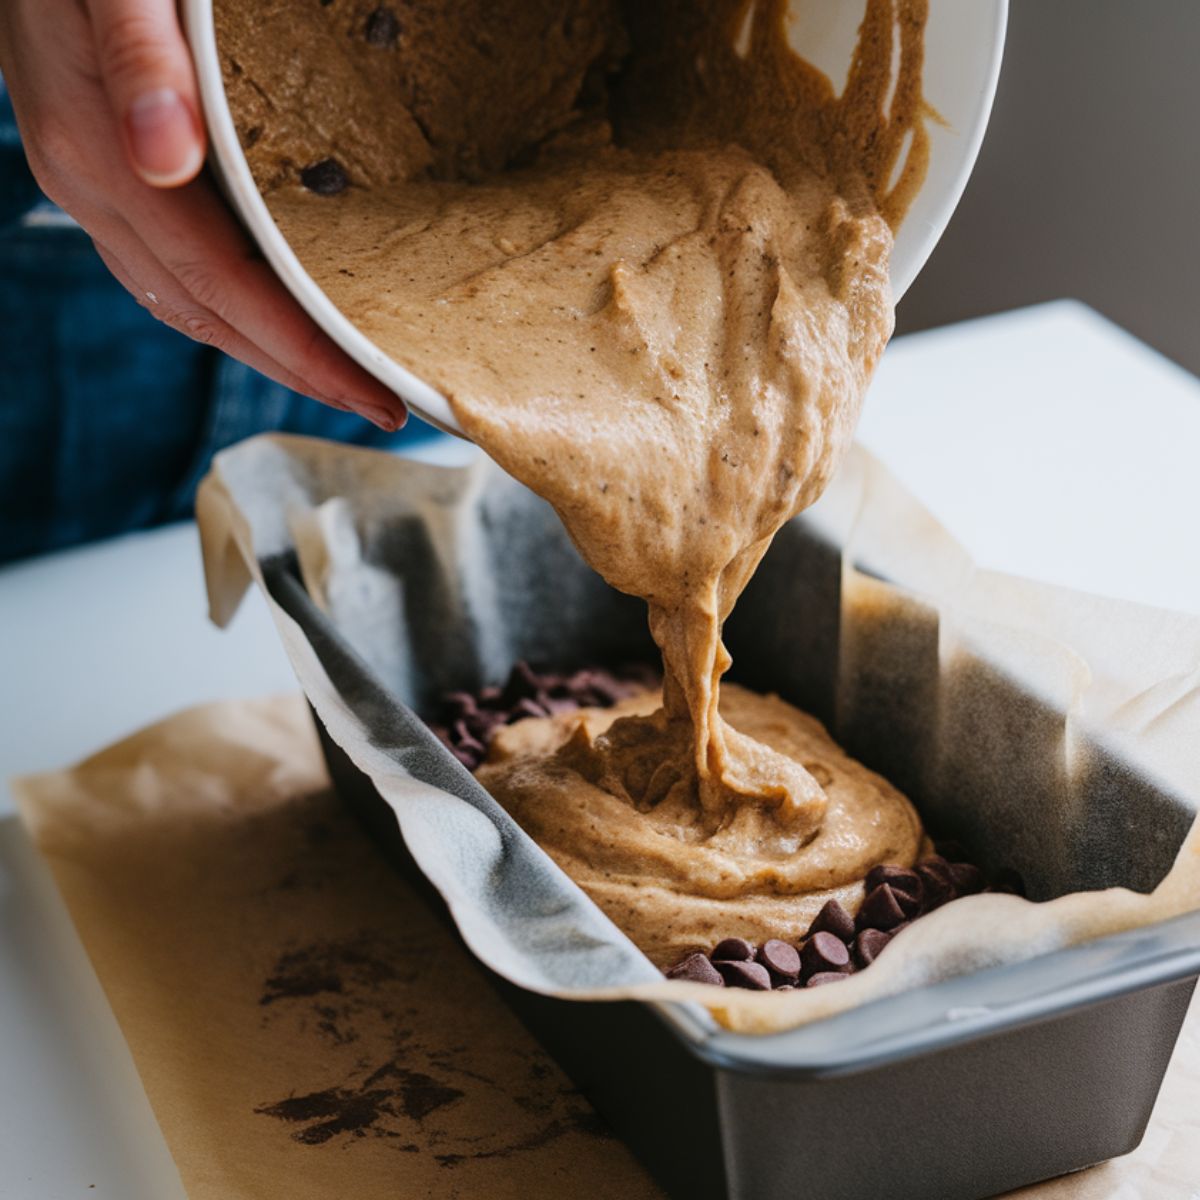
(108,420)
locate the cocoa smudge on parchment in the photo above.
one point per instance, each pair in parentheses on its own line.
(409,1045)
(361,1110)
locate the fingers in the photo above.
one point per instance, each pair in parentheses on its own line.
(183,245)
(147,72)
(192,234)
(147,281)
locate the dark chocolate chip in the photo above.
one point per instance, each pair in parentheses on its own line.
(460,704)
(463,739)
(823,977)
(833,918)
(939,883)
(744,975)
(968,878)
(899,879)
(1010,881)
(733,950)
(326,177)
(868,944)
(880,910)
(824,952)
(466,757)
(696,969)
(610,689)
(526,708)
(382,28)
(522,684)
(781,959)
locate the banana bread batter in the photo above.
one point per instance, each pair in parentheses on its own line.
(643,251)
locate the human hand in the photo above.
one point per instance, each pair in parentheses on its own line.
(106,100)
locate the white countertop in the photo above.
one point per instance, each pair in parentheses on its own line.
(1051,443)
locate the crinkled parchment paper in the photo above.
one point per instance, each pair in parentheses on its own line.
(426,570)
(304,1027)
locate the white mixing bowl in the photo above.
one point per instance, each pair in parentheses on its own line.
(963,44)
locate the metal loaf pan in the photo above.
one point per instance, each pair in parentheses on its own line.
(957,1091)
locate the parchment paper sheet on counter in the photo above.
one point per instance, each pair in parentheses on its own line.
(406,560)
(302,1023)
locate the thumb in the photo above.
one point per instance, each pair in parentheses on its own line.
(148,75)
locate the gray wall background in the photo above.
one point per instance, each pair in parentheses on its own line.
(1088,184)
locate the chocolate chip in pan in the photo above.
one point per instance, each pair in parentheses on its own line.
(696,968)
(824,952)
(868,946)
(750,975)
(522,683)
(937,880)
(824,977)
(325,178)
(833,918)
(881,909)
(968,878)
(781,959)
(733,949)
(460,704)
(382,28)
(526,708)
(899,879)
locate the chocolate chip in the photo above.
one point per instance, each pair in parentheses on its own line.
(382,28)
(968,878)
(744,975)
(326,177)
(938,881)
(610,689)
(463,739)
(696,969)
(526,708)
(824,952)
(781,959)
(899,879)
(469,759)
(868,945)
(833,918)
(522,684)
(733,950)
(880,910)
(823,977)
(1009,881)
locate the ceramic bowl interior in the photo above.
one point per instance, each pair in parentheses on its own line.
(963,45)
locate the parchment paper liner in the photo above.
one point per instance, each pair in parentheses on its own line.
(969,686)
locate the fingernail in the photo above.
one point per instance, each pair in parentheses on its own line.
(163,137)
(389,422)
